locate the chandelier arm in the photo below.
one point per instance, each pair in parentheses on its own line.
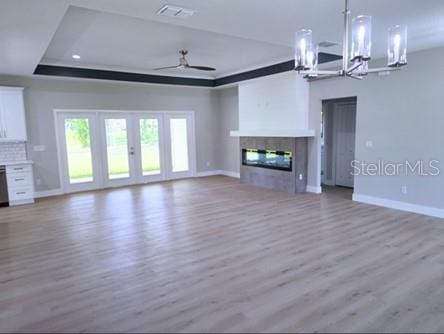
(353,68)
(345,38)
(321,72)
(353,76)
(382,69)
(310,79)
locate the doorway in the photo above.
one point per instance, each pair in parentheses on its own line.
(338,138)
(101,149)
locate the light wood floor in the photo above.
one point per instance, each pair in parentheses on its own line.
(210,254)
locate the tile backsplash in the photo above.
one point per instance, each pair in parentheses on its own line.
(10,152)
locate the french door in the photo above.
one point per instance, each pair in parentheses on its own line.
(150,144)
(180,148)
(78,151)
(109,149)
(117,149)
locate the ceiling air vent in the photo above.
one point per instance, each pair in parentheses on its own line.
(174,11)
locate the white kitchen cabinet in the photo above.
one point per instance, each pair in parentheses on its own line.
(20,183)
(12,114)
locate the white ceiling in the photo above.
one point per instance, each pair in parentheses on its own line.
(119,42)
(256,31)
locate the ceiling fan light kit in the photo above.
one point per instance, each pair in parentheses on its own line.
(355,63)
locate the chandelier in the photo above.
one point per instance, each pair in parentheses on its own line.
(355,63)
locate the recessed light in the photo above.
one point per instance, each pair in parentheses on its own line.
(76,57)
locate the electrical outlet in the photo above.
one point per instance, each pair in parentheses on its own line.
(208,164)
(404,190)
(369,143)
(38,181)
(301,177)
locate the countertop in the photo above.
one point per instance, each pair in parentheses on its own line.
(12,163)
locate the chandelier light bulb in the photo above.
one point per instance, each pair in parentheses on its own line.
(303,50)
(361,38)
(397,46)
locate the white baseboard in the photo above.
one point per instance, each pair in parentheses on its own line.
(22,202)
(217,172)
(208,173)
(403,206)
(231,174)
(48,193)
(315,190)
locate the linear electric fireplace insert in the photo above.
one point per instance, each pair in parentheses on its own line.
(279,160)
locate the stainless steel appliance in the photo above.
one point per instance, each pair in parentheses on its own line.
(4,200)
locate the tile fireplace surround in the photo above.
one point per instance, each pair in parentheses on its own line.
(294,181)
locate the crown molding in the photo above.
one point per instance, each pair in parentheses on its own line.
(90,73)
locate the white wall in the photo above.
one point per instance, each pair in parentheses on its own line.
(274,102)
(403,115)
(43,95)
(228,119)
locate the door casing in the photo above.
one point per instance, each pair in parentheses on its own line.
(97,131)
(328,156)
(344,142)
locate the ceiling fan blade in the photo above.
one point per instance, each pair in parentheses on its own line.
(202,68)
(167,67)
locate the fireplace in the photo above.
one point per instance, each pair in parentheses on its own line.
(271,159)
(278,163)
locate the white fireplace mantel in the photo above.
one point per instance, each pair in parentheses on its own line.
(293,133)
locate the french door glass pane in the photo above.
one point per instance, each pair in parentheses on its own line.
(78,149)
(149,142)
(117,148)
(179,144)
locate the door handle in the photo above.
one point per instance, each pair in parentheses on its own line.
(132,150)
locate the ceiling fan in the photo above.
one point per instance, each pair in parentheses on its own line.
(183,64)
